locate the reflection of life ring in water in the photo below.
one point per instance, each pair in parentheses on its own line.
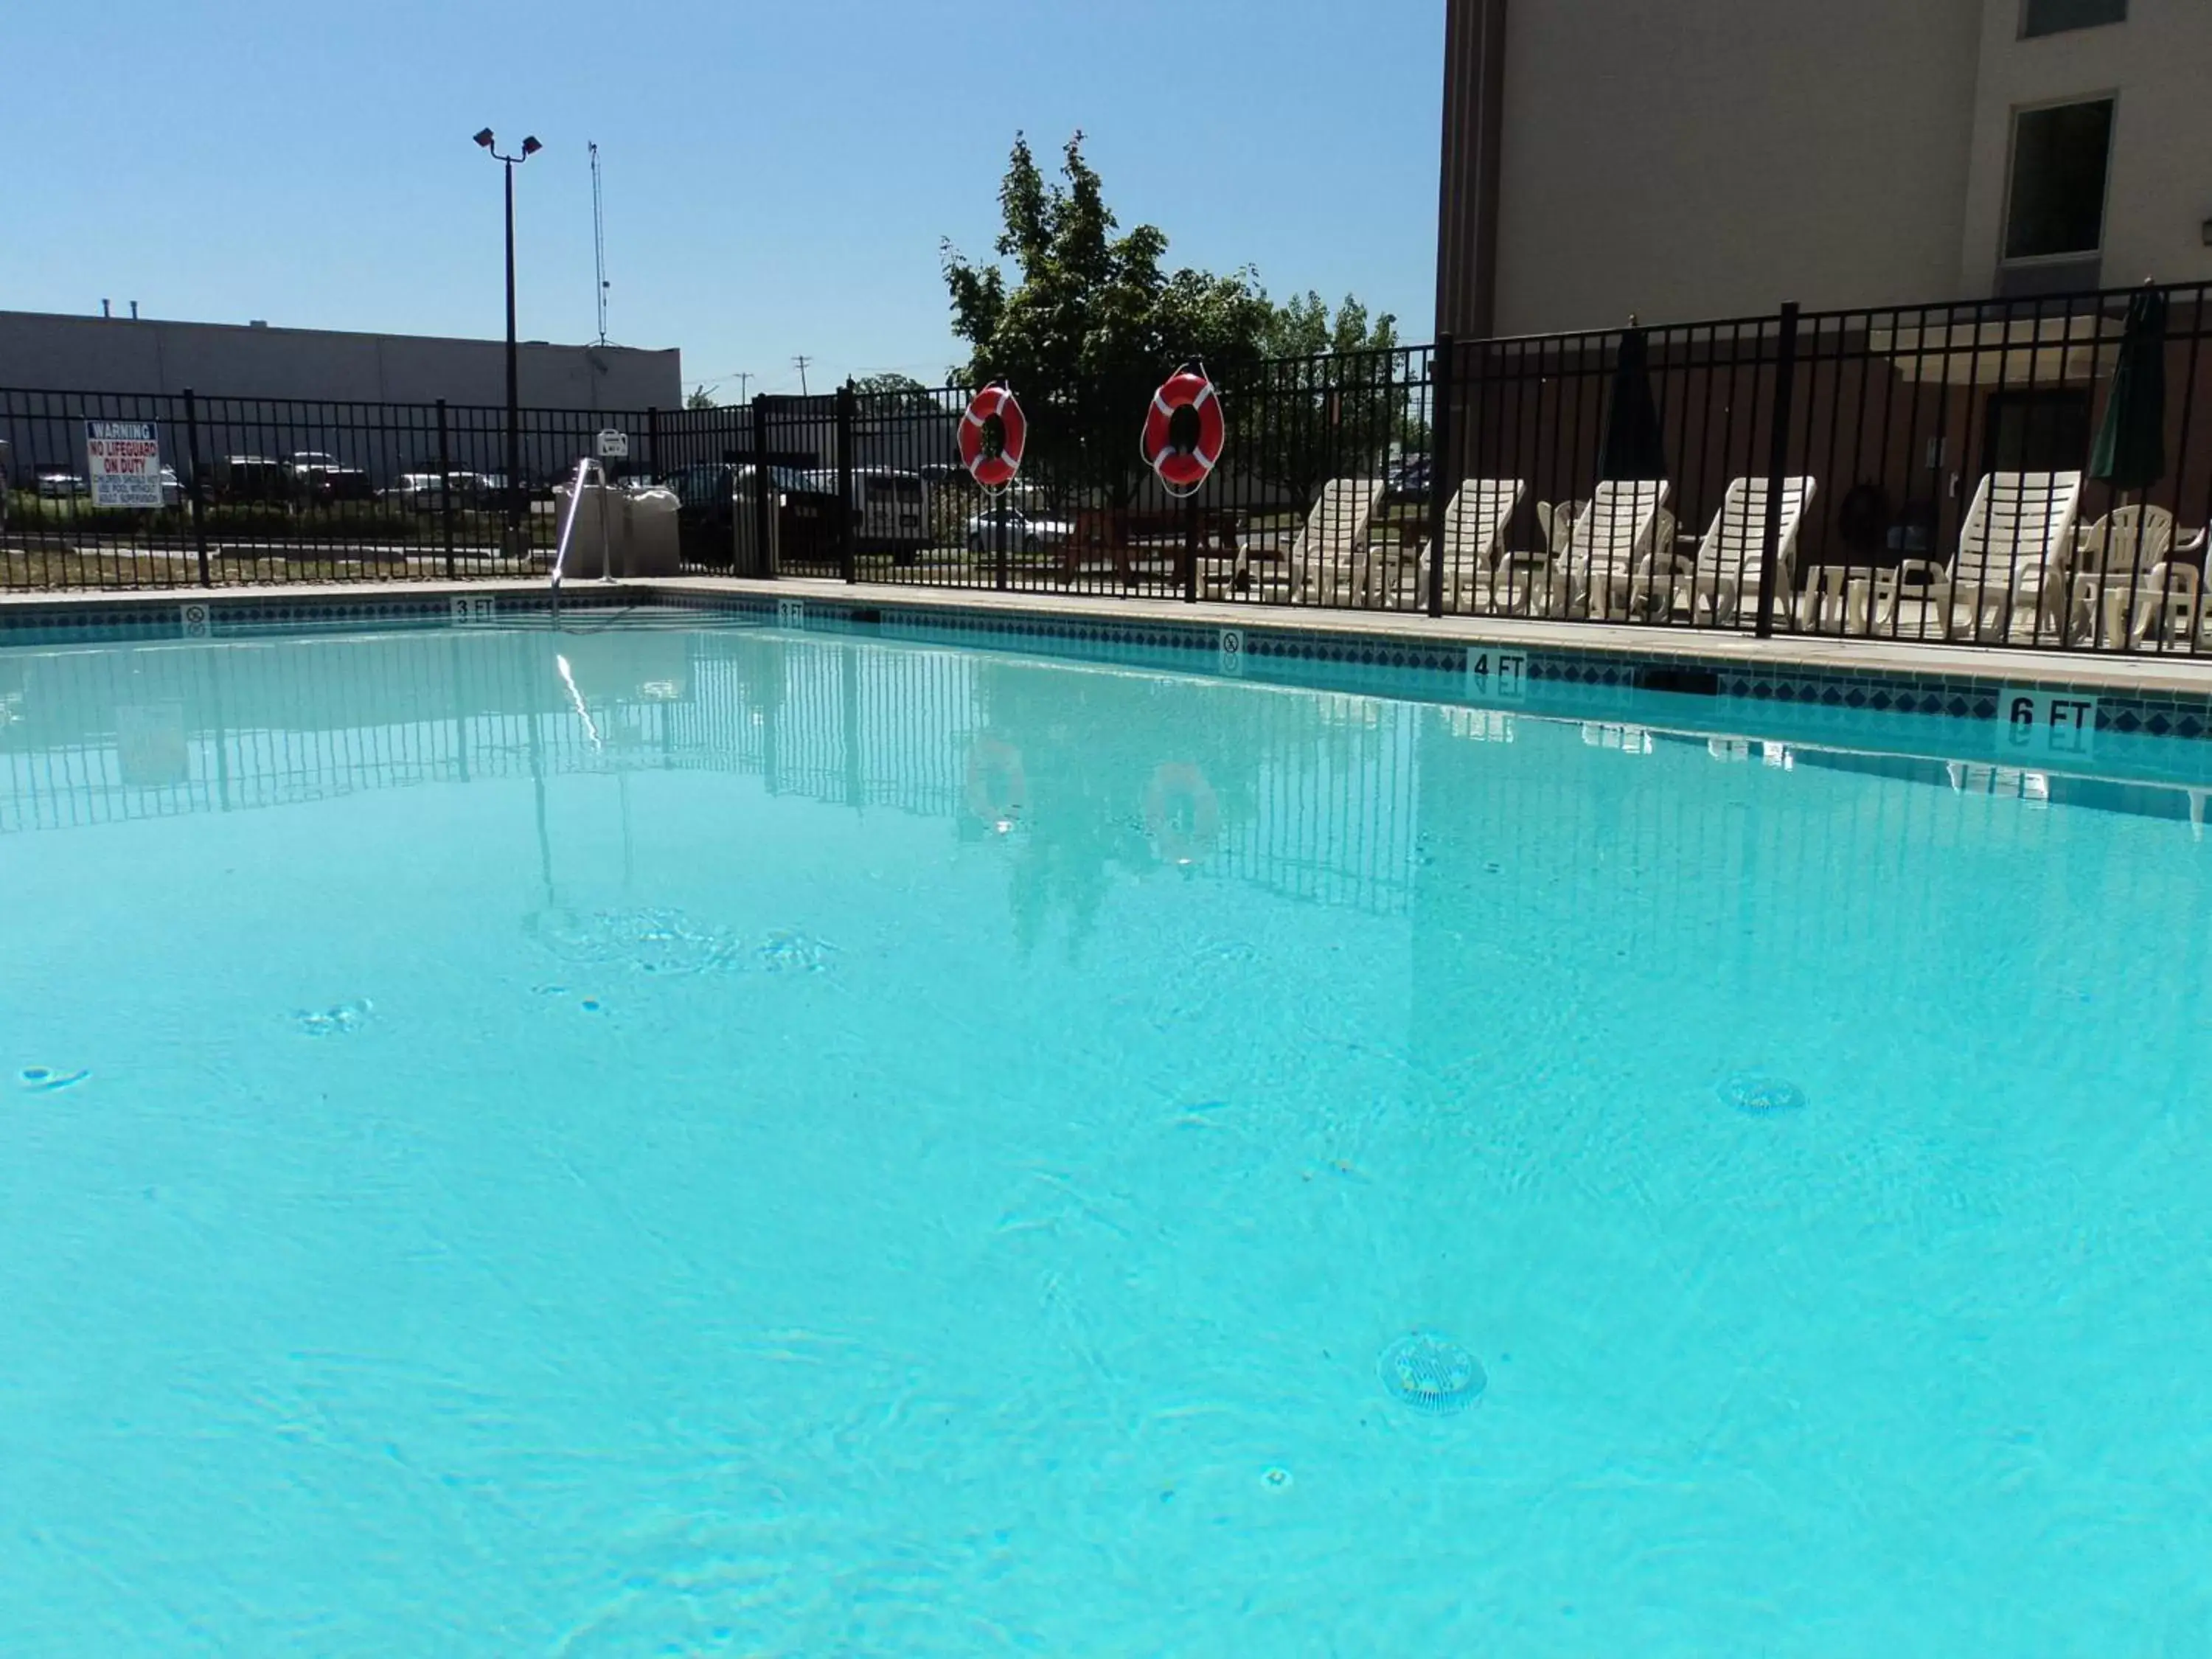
(998,788)
(1182,813)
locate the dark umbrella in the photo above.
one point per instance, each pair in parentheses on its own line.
(1634,448)
(2131,452)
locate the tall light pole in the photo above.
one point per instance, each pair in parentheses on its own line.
(529,148)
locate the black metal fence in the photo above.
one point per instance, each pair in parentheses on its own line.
(1911,473)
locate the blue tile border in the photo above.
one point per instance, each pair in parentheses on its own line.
(1821,697)
(226,617)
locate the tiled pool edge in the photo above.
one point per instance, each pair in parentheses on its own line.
(1811,697)
(1370,657)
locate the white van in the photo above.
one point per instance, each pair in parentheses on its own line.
(891,508)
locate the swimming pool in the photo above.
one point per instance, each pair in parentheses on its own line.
(692,1138)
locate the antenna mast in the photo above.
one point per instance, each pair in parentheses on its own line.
(599,244)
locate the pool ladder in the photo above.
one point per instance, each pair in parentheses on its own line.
(587,469)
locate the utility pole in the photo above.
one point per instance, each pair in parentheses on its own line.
(745,377)
(802,361)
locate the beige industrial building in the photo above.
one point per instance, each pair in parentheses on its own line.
(1690,159)
(130,357)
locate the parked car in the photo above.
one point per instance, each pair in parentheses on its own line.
(428,489)
(251,478)
(321,476)
(56,484)
(1024,533)
(1408,480)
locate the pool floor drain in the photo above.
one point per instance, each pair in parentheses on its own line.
(1762,1093)
(1432,1374)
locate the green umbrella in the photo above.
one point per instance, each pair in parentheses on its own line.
(2131,452)
(1634,446)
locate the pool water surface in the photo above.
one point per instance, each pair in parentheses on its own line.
(703,1139)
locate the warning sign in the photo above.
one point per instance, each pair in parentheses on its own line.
(124,460)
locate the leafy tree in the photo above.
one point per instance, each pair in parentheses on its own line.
(1092,321)
(699,398)
(1332,397)
(893,393)
(1089,320)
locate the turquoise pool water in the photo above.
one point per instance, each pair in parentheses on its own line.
(674,1140)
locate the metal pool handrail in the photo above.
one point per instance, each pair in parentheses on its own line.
(586,468)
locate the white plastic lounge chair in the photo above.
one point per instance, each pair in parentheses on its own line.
(1605,566)
(1474,534)
(1726,567)
(1330,561)
(1552,518)
(2015,553)
(2123,576)
(1328,556)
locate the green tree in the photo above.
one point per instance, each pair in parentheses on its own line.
(700,398)
(1332,397)
(1090,320)
(1083,319)
(892,393)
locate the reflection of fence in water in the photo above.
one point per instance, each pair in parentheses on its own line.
(860,728)
(1336,799)
(1327,794)
(1640,839)
(1322,798)
(103,736)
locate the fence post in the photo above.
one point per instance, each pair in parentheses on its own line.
(193,456)
(445,488)
(1444,472)
(1778,467)
(1191,540)
(763,494)
(847,544)
(652,442)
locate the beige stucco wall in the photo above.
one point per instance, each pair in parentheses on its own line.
(2160,61)
(1712,159)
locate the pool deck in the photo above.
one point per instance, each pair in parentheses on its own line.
(2143,672)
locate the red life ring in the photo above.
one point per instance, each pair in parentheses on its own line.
(1183,813)
(1182,471)
(994,471)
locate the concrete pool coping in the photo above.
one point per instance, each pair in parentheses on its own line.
(2158,675)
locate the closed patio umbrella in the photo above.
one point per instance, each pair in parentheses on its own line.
(1633,446)
(2130,447)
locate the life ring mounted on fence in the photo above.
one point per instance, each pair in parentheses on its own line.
(1183,813)
(993,469)
(1182,466)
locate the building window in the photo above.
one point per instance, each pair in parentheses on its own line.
(2056,17)
(2059,160)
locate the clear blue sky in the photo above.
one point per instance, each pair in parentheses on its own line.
(778,177)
